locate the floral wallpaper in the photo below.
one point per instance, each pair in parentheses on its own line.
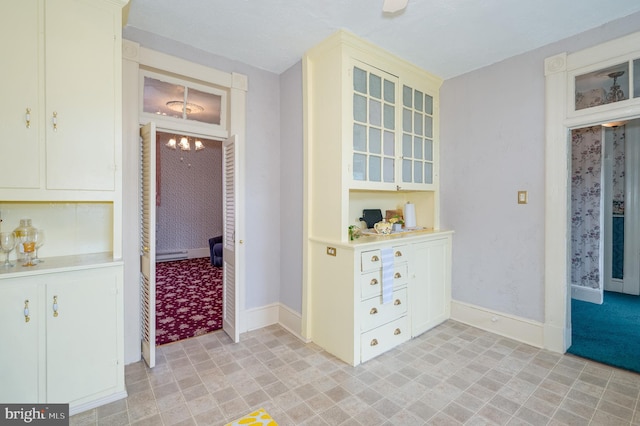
(586,165)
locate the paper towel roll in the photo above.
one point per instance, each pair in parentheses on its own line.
(409,215)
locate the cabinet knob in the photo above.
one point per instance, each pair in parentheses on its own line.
(55,306)
(373,311)
(375,258)
(374,282)
(398,253)
(54,121)
(27,318)
(374,342)
(27,118)
(397,275)
(397,302)
(397,331)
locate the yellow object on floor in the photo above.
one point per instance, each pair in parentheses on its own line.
(257,418)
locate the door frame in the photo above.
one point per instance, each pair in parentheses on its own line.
(134,58)
(560,118)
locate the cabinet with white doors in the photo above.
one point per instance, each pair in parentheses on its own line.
(349,315)
(61,108)
(62,330)
(371,135)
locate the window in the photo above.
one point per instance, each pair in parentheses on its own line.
(177,100)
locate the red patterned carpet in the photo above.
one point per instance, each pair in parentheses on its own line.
(188,299)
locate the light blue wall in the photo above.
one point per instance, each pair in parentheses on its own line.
(492,145)
(291,187)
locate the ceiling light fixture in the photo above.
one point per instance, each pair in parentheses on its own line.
(393,6)
(181,106)
(615,93)
(184,144)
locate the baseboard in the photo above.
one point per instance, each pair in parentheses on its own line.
(75,409)
(253,319)
(516,328)
(292,321)
(586,294)
(276,313)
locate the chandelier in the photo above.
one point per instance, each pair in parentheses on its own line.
(184,144)
(615,93)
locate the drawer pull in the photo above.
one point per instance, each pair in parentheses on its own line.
(55,306)
(397,302)
(26,311)
(396,332)
(398,253)
(27,118)
(375,258)
(374,342)
(397,275)
(54,121)
(373,311)
(374,282)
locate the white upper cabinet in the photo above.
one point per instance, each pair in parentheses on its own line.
(21,111)
(393,131)
(62,107)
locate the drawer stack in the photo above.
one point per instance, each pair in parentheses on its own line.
(383,326)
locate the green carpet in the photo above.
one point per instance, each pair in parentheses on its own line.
(607,333)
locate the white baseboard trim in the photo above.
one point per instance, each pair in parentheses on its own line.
(586,294)
(516,328)
(276,313)
(255,318)
(292,322)
(75,409)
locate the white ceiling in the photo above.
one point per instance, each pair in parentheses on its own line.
(445,37)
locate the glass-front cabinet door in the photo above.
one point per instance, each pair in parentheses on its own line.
(392,132)
(417,137)
(374,125)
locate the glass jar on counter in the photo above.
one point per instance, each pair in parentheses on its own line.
(23,231)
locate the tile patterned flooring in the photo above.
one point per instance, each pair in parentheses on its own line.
(451,375)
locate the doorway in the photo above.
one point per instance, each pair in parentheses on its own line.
(189,213)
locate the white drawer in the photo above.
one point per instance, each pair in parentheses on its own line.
(373,313)
(371,282)
(400,253)
(383,338)
(370,260)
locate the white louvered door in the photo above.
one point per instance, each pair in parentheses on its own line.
(148,242)
(232,277)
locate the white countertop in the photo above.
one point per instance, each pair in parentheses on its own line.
(60,264)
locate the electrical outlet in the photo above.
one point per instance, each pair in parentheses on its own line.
(523,198)
(331,251)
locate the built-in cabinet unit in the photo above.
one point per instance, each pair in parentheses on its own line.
(61,109)
(371,142)
(63,333)
(62,320)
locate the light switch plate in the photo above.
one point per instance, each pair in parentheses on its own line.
(523,197)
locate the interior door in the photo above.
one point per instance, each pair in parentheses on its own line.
(232,276)
(148,242)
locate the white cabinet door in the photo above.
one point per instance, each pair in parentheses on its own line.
(20,321)
(430,290)
(82,334)
(80,82)
(19,108)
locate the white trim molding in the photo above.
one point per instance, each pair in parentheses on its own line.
(516,328)
(560,118)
